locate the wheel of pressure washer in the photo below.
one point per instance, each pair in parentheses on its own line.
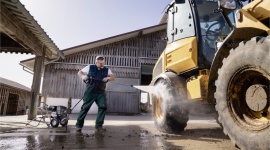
(242,94)
(54,122)
(170,114)
(64,122)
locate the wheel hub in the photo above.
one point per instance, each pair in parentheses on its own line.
(248,98)
(256,97)
(159,112)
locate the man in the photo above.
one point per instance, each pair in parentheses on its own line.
(96,76)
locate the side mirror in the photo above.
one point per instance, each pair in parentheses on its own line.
(225,7)
(228,5)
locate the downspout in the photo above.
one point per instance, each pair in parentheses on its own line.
(26,70)
(53,60)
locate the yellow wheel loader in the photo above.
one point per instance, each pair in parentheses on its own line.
(218,52)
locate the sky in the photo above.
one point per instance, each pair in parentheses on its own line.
(74,22)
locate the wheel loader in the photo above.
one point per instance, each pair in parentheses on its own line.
(218,52)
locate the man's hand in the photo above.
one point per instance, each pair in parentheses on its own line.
(84,77)
(106,79)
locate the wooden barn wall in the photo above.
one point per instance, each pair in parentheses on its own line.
(23,99)
(124,58)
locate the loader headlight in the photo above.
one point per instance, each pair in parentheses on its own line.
(228,4)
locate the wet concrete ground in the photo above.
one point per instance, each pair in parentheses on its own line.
(123,132)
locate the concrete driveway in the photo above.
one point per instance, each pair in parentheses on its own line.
(123,132)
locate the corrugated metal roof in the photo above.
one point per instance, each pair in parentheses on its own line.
(12,84)
(16,8)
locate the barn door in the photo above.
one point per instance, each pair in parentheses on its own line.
(12,104)
(2,108)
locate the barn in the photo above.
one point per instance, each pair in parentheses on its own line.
(14,99)
(131,57)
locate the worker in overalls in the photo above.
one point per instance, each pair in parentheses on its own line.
(95,76)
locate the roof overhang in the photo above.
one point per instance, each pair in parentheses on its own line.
(20,32)
(14,85)
(29,63)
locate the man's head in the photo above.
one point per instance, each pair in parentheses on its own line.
(100,61)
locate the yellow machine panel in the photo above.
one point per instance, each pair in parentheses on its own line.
(181,55)
(197,87)
(255,9)
(159,66)
(252,14)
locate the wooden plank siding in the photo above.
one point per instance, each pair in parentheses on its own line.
(124,58)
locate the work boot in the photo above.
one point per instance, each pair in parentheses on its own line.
(100,129)
(78,130)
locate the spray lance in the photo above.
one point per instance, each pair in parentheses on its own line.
(123,84)
(147,88)
(100,80)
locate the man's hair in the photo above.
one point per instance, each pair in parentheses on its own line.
(99,58)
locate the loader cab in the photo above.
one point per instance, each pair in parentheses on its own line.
(212,29)
(196,18)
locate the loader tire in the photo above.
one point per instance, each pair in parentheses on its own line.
(170,114)
(242,94)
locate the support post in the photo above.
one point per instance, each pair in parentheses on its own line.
(39,64)
(69,104)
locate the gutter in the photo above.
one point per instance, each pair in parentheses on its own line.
(27,70)
(31,72)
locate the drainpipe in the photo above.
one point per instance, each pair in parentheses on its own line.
(53,60)
(24,68)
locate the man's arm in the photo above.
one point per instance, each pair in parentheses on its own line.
(111,78)
(82,75)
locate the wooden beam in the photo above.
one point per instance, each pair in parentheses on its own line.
(39,65)
(11,26)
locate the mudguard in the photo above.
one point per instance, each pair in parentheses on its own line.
(232,41)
